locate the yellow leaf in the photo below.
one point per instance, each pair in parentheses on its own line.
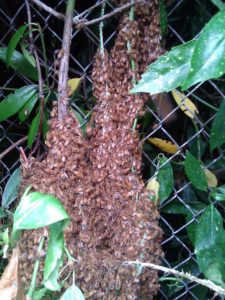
(211,178)
(185,104)
(153,188)
(164,145)
(73,85)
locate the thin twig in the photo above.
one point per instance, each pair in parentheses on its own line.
(23,139)
(80,23)
(64,61)
(207,283)
(78,17)
(40,80)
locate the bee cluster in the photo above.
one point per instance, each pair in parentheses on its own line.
(98,176)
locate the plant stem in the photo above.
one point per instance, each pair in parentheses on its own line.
(101,30)
(36,266)
(207,283)
(64,62)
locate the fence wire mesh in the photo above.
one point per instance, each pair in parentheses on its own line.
(181,16)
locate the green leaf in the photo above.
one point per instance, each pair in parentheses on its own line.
(73,293)
(168,72)
(45,126)
(208,58)
(27,55)
(15,101)
(37,210)
(13,43)
(217,134)
(219,193)
(194,172)
(219,4)
(39,294)
(33,130)
(163,18)
(11,189)
(165,178)
(54,256)
(27,108)
(210,245)
(19,63)
(191,228)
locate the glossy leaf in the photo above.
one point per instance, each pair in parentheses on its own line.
(210,245)
(219,4)
(19,63)
(164,145)
(219,193)
(27,108)
(168,72)
(185,104)
(54,256)
(11,189)
(217,134)
(73,293)
(15,101)
(195,172)
(37,210)
(165,178)
(14,42)
(33,130)
(208,59)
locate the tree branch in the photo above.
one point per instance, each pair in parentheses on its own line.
(4,153)
(207,283)
(64,61)
(80,22)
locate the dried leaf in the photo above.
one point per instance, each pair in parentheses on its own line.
(164,145)
(153,187)
(11,287)
(185,104)
(73,85)
(211,178)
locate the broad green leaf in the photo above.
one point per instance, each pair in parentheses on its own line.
(27,55)
(54,256)
(80,119)
(13,43)
(195,172)
(165,178)
(15,101)
(219,193)
(11,189)
(73,293)
(191,228)
(2,213)
(27,108)
(19,63)
(217,134)
(168,72)
(208,58)
(219,4)
(210,245)
(37,210)
(176,207)
(33,130)
(39,294)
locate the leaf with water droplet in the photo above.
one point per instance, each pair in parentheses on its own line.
(208,59)
(168,72)
(210,245)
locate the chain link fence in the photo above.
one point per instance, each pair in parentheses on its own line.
(182,26)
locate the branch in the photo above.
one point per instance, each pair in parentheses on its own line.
(64,61)
(207,283)
(23,139)
(81,22)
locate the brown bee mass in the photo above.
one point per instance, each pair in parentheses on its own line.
(98,178)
